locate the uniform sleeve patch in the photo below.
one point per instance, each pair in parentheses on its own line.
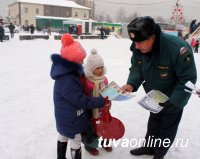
(185,53)
(183,50)
(188,59)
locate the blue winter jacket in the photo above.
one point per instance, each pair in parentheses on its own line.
(69,99)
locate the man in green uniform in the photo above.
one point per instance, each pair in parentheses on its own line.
(160,62)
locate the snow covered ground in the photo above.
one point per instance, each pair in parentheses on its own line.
(27,125)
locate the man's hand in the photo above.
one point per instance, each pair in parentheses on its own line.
(167,106)
(128,88)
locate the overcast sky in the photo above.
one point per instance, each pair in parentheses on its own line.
(164,9)
(151,7)
(3,6)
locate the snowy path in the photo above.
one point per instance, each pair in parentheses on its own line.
(27,126)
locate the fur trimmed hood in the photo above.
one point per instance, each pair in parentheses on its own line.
(62,67)
(88,72)
(93,61)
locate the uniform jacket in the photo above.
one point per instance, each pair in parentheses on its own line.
(166,68)
(69,99)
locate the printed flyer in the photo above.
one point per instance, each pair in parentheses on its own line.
(152,99)
(114,92)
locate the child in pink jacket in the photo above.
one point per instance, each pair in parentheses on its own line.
(95,78)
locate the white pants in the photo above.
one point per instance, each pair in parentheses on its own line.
(74,143)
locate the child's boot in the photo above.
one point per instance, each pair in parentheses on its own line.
(107,148)
(92,151)
(61,150)
(76,153)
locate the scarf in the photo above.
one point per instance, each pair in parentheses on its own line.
(98,84)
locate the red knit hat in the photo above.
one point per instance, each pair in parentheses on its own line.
(72,50)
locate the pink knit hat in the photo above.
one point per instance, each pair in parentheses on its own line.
(72,50)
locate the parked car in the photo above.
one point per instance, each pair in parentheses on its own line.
(6,29)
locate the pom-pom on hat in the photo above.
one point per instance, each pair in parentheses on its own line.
(93,61)
(141,28)
(72,50)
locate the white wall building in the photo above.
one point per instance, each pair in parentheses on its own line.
(23,12)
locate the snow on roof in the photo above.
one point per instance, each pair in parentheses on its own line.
(50,17)
(82,20)
(63,18)
(64,3)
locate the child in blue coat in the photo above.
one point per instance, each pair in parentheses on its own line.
(69,96)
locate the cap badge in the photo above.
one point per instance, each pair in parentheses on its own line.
(132,35)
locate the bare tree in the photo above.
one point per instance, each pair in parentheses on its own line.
(159,19)
(100,17)
(108,18)
(121,15)
(132,16)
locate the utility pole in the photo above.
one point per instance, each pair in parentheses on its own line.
(20,16)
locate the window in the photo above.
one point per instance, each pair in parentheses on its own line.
(76,14)
(85,14)
(47,11)
(37,11)
(91,14)
(26,10)
(67,13)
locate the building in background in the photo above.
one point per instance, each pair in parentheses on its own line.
(89,4)
(23,12)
